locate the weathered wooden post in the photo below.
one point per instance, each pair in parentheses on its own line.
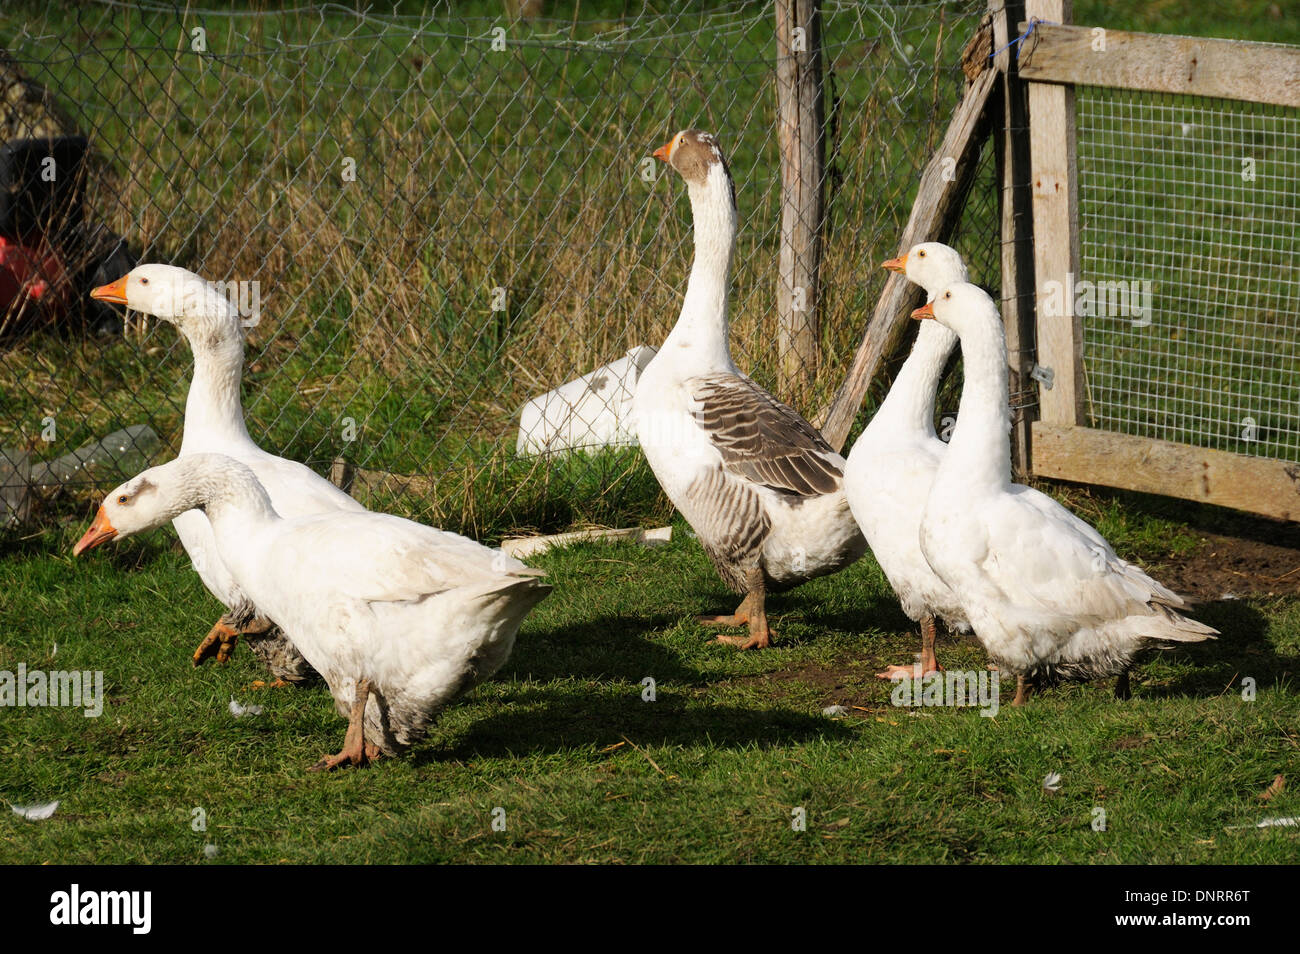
(1055,201)
(1011,143)
(801,136)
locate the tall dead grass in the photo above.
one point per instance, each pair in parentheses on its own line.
(520,173)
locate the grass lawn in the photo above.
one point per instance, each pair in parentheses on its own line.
(561,740)
(588,772)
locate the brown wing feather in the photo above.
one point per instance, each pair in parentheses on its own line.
(763,440)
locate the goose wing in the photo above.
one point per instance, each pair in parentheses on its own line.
(379,558)
(1042,555)
(762,440)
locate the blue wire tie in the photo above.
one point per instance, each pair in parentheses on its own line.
(1033,22)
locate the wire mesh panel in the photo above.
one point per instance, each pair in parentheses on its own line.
(446,215)
(1190,234)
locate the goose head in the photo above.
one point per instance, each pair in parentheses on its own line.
(139,504)
(963,308)
(160,494)
(932,265)
(698,160)
(173,294)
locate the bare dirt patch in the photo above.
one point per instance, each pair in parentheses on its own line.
(846,680)
(1224,567)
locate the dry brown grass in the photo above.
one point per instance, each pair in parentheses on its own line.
(519,173)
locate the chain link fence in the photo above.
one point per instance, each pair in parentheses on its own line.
(446,215)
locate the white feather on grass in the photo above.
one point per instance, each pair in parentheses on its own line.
(35,812)
(1284,821)
(1052,783)
(239,711)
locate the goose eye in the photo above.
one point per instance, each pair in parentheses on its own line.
(921,254)
(947,294)
(144,281)
(122,499)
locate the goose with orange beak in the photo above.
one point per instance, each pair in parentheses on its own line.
(397,617)
(214,423)
(1044,592)
(892,465)
(757,483)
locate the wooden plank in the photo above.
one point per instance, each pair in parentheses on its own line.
(801,136)
(936,209)
(1254,484)
(1055,194)
(1011,141)
(523,547)
(1198,66)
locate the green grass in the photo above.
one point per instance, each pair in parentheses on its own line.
(389,328)
(588,772)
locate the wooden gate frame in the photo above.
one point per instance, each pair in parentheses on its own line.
(1033,87)
(1055,58)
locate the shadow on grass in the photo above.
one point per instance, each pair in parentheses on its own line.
(565,721)
(1206,518)
(612,648)
(876,613)
(1241,650)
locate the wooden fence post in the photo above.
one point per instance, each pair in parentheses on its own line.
(1055,189)
(801,136)
(1011,149)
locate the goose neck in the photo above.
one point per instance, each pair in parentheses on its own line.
(909,406)
(213,408)
(227,491)
(702,328)
(980,449)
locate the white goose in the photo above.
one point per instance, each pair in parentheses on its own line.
(760,487)
(398,618)
(214,423)
(1044,592)
(892,465)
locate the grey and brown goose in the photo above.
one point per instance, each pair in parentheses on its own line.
(759,485)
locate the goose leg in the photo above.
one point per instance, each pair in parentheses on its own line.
(222,638)
(1023,688)
(355,750)
(760,635)
(220,642)
(738,618)
(1122,688)
(926,663)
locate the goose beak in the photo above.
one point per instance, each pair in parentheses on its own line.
(896,265)
(925,311)
(100,531)
(114,292)
(664,152)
